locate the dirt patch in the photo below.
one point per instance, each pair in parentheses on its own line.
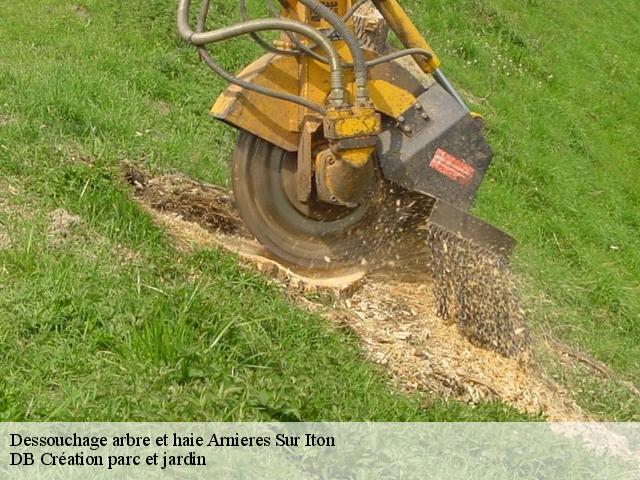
(393,310)
(5,208)
(62,226)
(163,108)
(5,239)
(68,229)
(81,11)
(6,120)
(12,202)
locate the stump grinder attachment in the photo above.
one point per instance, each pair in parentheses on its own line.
(328,124)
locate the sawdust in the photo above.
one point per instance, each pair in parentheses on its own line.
(400,329)
(197,214)
(477,290)
(473,287)
(206,204)
(393,310)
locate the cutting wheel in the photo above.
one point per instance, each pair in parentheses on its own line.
(313,234)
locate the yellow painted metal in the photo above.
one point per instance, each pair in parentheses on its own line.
(271,119)
(361,125)
(339,7)
(278,121)
(407,32)
(351,123)
(351,130)
(355,126)
(297,11)
(390,99)
(387,98)
(357,157)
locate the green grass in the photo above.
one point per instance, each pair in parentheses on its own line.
(112,322)
(115,324)
(555,81)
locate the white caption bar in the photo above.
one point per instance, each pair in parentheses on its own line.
(319,450)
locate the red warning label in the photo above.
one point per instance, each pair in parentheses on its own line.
(454,168)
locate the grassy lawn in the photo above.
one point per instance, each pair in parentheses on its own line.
(556,81)
(112,323)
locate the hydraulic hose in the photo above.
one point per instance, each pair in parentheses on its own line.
(444,83)
(202,16)
(353,9)
(350,39)
(394,55)
(225,33)
(244,15)
(305,50)
(211,63)
(359,62)
(302,48)
(201,39)
(299,45)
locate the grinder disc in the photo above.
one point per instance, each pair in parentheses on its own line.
(313,234)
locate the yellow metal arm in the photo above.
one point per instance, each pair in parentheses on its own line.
(407,32)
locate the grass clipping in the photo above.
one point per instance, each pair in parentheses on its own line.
(476,289)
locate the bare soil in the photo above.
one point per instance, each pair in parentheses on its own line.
(5,239)
(62,225)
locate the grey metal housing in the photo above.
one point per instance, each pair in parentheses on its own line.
(437,121)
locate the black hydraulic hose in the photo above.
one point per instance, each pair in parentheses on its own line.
(395,55)
(204,54)
(244,15)
(359,62)
(219,70)
(200,39)
(299,45)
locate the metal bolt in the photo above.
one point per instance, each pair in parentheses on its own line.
(418,106)
(425,115)
(333,198)
(407,129)
(331,160)
(401,119)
